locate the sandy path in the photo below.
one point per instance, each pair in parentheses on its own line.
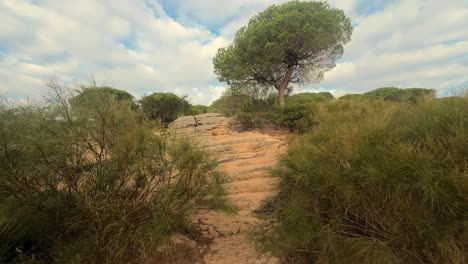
(245,158)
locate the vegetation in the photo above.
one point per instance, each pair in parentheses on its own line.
(378,177)
(257,108)
(165,107)
(375,182)
(295,42)
(394,94)
(309,98)
(88,96)
(95,184)
(230,103)
(198,109)
(236,102)
(351,96)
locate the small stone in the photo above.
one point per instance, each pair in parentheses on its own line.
(179,239)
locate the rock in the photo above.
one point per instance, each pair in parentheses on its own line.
(245,159)
(266,206)
(201,123)
(179,240)
(183,122)
(209,119)
(229,229)
(179,250)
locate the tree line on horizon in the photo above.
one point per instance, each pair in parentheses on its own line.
(167,106)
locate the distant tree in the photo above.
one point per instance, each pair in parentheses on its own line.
(306,98)
(198,109)
(295,42)
(394,94)
(90,95)
(230,103)
(164,106)
(351,96)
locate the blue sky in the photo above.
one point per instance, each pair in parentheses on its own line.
(145,46)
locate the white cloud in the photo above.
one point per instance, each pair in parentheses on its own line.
(409,43)
(137,46)
(133,45)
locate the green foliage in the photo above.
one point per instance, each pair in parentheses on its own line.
(198,109)
(293,117)
(309,98)
(412,95)
(230,104)
(258,109)
(400,95)
(165,107)
(297,118)
(375,182)
(95,185)
(351,97)
(211,109)
(88,97)
(251,106)
(247,100)
(295,42)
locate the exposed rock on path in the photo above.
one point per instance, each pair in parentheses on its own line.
(246,158)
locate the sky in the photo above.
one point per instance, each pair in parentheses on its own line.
(146,46)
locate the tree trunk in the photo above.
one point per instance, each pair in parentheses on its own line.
(284,84)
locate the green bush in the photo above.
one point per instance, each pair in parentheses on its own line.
(411,95)
(87,97)
(165,107)
(252,107)
(252,120)
(375,182)
(258,109)
(230,104)
(246,101)
(95,185)
(294,117)
(400,95)
(198,109)
(309,98)
(351,97)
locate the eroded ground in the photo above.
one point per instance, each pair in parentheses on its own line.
(246,158)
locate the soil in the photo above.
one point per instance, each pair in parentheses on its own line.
(246,157)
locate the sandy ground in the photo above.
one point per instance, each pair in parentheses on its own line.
(246,158)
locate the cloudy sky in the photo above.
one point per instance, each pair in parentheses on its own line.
(145,46)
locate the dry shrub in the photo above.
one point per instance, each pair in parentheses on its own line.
(95,184)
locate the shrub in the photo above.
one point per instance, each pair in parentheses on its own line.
(293,117)
(165,107)
(351,97)
(258,108)
(230,104)
(88,96)
(95,186)
(375,182)
(309,98)
(251,120)
(411,95)
(198,109)
(244,101)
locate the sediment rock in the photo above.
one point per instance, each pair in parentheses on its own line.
(246,158)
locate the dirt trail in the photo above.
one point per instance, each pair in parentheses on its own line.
(245,157)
